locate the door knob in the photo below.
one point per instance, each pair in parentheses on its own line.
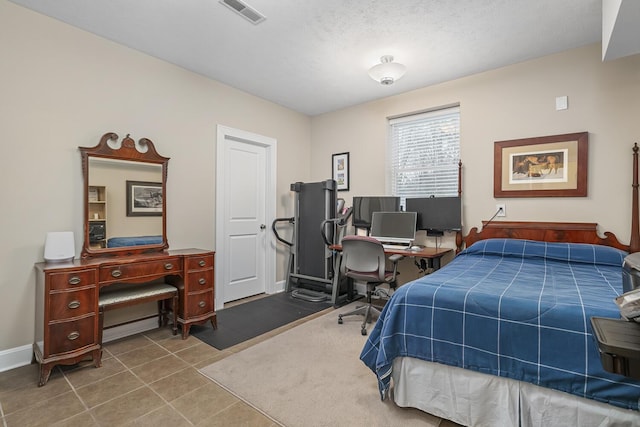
(262,226)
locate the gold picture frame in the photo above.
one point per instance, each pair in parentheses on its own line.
(547,166)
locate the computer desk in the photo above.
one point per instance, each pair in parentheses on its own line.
(432,255)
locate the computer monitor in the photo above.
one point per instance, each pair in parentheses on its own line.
(394,227)
(365,206)
(436,213)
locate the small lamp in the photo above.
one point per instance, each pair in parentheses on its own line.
(59,246)
(387,71)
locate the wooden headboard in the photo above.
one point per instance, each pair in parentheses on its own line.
(573,232)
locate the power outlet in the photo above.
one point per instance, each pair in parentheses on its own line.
(501,208)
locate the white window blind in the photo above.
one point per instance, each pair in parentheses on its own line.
(424,154)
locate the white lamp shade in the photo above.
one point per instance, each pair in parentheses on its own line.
(387,71)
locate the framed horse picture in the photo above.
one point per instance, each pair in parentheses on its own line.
(548,166)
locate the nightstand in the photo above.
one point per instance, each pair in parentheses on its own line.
(619,345)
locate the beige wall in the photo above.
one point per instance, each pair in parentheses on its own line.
(510,103)
(61,88)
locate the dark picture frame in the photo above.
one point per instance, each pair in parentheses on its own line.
(144,198)
(547,166)
(340,170)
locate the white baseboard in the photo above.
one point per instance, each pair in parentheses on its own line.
(279,287)
(15,357)
(21,356)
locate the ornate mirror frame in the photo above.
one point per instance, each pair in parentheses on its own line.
(143,152)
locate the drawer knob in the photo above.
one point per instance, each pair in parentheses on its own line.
(74,304)
(74,335)
(168,266)
(74,280)
(202,263)
(202,304)
(116,273)
(202,281)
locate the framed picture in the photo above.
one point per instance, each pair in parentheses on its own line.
(548,166)
(144,198)
(340,168)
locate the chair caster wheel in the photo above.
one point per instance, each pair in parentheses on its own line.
(339,320)
(364,332)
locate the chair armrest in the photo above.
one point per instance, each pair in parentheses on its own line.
(395,258)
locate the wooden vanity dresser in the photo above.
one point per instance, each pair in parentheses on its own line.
(68,293)
(67,299)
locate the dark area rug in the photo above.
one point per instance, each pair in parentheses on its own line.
(245,321)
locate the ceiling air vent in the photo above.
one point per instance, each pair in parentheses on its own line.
(244,10)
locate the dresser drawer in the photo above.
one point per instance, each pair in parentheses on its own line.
(68,304)
(199,262)
(74,279)
(145,270)
(199,281)
(72,335)
(199,303)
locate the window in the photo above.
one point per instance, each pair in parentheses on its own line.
(424,154)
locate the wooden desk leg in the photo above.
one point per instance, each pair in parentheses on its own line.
(185,331)
(214,322)
(97,357)
(45,372)
(46,368)
(100,324)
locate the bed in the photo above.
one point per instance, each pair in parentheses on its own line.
(512,308)
(502,334)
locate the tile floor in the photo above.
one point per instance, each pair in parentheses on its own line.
(148,379)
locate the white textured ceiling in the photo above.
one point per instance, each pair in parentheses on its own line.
(313,55)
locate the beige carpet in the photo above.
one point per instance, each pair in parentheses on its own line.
(311,375)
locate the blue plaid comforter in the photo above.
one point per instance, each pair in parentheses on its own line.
(513,308)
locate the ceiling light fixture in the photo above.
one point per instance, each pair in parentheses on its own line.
(387,71)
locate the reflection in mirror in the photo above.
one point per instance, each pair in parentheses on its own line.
(125,200)
(113,223)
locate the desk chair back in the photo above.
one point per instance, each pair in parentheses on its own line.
(364,259)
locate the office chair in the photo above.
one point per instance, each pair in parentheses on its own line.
(363,258)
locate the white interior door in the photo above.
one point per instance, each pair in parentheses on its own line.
(243,221)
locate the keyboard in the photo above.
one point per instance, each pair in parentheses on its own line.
(396,247)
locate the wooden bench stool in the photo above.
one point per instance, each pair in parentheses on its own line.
(128,295)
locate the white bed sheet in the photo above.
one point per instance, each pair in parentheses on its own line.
(475,399)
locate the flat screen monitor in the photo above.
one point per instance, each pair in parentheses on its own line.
(365,206)
(394,227)
(437,213)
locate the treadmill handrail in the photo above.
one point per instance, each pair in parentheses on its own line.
(339,221)
(290,220)
(323,226)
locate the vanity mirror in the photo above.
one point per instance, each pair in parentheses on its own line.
(124,197)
